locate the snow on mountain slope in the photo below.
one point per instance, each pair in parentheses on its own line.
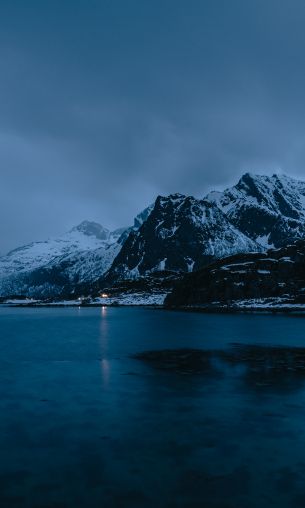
(44,268)
(177,233)
(88,236)
(62,275)
(85,266)
(57,266)
(180,234)
(270,210)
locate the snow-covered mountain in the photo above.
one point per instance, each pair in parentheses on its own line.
(270,210)
(60,265)
(180,234)
(87,236)
(176,234)
(45,268)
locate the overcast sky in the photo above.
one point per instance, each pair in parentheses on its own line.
(106,103)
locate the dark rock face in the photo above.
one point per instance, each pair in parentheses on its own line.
(270,210)
(181,234)
(276,273)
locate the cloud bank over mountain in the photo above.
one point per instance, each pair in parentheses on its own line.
(109,104)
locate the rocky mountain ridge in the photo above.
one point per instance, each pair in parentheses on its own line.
(181,234)
(269,210)
(177,234)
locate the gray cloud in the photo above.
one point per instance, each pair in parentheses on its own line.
(104,105)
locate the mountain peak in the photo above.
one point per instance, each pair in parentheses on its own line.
(268,209)
(142,216)
(181,234)
(170,200)
(250,179)
(177,196)
(91,228)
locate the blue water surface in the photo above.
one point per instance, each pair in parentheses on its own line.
(83,424)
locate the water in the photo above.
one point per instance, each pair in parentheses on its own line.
(82,424)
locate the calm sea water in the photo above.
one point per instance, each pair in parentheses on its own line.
(84,425)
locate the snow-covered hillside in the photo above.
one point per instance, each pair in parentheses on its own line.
(59,265)
(88,236)
(79,256)
(270,210)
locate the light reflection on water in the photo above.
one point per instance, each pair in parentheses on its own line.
(84,424)
(104,331)
(105,366)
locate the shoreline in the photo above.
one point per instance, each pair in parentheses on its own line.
(211,309)
(81,305)
(203,309)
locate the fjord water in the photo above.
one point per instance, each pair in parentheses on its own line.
(83,424)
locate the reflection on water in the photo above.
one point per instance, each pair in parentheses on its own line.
(260,367)
(105,371)
(104,332)
(139,408)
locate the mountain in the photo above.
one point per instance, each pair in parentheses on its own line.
(269,210)
(87,236)
(180,234)
(278,275)
(137,223)
(176,234)
(49,268)
(61,266)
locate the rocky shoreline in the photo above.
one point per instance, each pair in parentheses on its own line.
(271,281)
(235,308)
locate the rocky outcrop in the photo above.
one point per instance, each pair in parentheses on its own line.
(276,273)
